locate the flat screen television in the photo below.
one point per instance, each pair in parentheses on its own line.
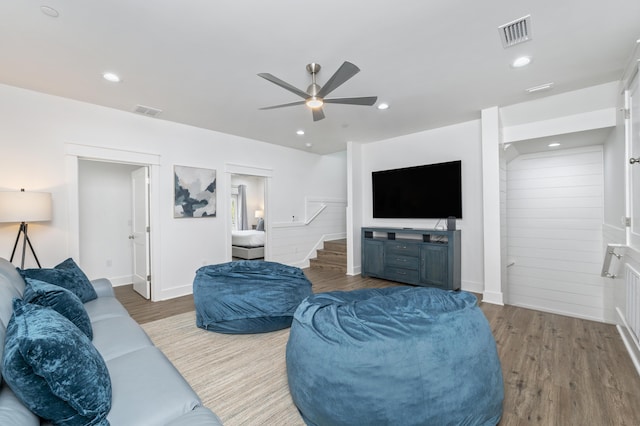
(431,191)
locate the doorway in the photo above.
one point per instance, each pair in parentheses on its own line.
(113,200)
(247,213)
(553,207)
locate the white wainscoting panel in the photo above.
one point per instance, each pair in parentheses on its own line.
(555,207)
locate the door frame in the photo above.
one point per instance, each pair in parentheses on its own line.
(76,152)
(240,169)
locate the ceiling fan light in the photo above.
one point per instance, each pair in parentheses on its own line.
(314,102)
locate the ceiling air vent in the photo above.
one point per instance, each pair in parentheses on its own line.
(515,32)
(148,111)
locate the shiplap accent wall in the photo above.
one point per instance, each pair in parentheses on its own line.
(294,243)
(554,224)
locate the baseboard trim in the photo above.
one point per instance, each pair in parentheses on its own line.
(472,286)
(493,297)
(120,281)
(172,293)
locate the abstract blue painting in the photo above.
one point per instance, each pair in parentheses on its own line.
(195,192)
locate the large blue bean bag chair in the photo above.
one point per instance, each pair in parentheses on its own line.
(394,356)
(248,296)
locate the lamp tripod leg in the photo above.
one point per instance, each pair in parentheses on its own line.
(27,240)
(15,246)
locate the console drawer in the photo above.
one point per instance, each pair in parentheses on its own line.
(401,248)
(403,275)
(402,261)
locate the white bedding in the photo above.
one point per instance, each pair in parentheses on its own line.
(247,238)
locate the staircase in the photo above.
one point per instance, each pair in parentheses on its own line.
(333,256)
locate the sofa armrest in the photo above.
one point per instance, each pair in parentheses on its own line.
(103,287)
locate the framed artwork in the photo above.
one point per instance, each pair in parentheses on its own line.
(195,192)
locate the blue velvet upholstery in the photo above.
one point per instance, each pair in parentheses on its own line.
(68,275)
(53,368)
(60,300)
(394,356)
(248,296)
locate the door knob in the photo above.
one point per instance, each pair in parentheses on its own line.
(634,160)
(131,237)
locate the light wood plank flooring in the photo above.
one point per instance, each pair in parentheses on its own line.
(557,370)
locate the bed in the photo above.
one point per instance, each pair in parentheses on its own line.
(247,244)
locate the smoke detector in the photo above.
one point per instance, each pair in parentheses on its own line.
(515,32)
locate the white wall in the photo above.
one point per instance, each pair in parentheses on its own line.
(35,128)
(457,142)
(354,208)
(105,220)
(554,219)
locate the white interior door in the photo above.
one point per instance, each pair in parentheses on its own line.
(140,232)
(634,169)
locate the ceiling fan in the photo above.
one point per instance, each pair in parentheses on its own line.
(315,96)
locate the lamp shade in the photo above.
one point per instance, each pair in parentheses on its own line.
(20,206)
(259,213)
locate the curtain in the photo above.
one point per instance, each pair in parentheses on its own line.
(243,222)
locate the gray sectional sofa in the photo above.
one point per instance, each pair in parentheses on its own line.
(146,388)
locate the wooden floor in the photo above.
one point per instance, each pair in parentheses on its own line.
(557,370)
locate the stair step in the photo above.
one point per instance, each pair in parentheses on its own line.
(315,263)
(331,257)
(339,246)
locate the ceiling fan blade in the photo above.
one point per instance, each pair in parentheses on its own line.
(284,84)
(367,100)
(318,114)
(344,73)
(284,105)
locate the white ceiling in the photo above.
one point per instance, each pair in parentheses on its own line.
(435,62)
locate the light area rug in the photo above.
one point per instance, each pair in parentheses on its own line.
(241,378)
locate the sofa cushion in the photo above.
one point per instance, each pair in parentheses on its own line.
(54,369)
(105,307)
(68,275)
(147,389)
(9,271)
(117,336)
(60,300)
(7,293)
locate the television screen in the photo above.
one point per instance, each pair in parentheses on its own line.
(432,191)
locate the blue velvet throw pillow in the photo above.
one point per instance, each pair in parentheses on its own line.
(53,368)
(67,275)
(60,300)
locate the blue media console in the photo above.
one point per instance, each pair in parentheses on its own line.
(424,257)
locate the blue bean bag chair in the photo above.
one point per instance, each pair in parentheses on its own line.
(394,356)
(248,296)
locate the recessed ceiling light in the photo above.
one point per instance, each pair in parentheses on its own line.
(49,11)
(540,88)
(109,76)
(308,144)
(553,145)
(300,132)
(522,61)
(383,106)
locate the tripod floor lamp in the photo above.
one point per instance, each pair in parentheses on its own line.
(24,207)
